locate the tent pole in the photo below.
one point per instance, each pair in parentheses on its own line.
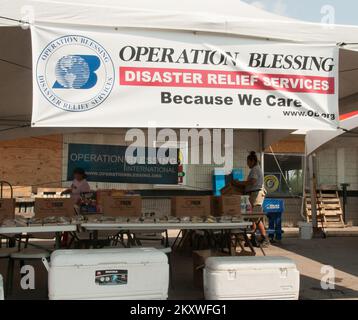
(262,149)
(313,189)
(304,182)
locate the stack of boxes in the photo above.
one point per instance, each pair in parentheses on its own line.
(122,206)
(227,205)
(189,206)
(199,206)
(51,207)
(112,204)
(115,203)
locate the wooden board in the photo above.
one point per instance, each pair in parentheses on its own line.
(289,145)
(32,161)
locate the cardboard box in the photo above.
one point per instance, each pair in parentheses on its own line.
(47,207)
(101,194)
(182,206)
(7,209)
(50,192)
(199,258)
(228,205)
(122,206)
(231,189)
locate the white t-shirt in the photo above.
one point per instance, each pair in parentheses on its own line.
(79,187)
(255,173)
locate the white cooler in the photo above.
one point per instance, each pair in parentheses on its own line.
(138,273)
(251,278)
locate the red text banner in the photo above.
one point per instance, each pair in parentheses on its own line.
(191,78)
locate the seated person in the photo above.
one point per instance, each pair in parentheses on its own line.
(79,185)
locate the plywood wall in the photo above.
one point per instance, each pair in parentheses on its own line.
(32,161)
(290,145)
(42,161)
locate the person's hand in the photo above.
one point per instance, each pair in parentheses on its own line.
(235,183)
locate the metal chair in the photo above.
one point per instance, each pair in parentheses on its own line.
(2,183)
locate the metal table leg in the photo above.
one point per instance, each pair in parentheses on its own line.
(176,239)
(58,240)
(166,239)
(95,238)
(248,242)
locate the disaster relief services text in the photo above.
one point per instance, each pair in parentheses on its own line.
(241,77)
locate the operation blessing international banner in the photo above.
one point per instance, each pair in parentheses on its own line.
(107,163)
(121,78)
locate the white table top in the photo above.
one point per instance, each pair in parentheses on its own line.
(166,226)
(38,229)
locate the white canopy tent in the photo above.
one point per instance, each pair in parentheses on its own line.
(317,138)
(230,17)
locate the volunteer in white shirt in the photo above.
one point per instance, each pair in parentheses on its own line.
(79,185)
(255,181)
(254,187)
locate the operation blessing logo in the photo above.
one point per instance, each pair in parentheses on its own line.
(75,73)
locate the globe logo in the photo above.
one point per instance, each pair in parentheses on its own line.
(72,72)
(75,73)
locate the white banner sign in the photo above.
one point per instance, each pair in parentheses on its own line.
(122,78)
